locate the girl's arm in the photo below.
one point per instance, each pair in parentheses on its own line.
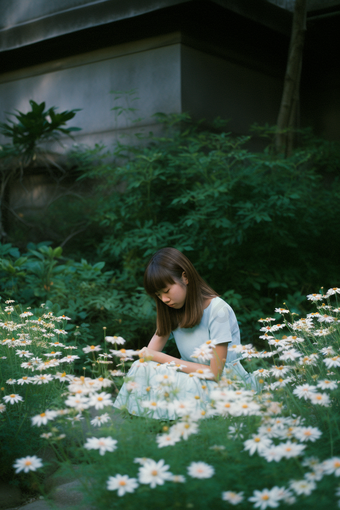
(157,343)
(216,363)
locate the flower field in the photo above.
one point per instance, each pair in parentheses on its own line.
(229,446)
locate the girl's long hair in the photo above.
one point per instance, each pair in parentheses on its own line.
(166,268)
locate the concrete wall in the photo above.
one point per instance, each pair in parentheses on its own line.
(212,87)
(152,67)
(168,76)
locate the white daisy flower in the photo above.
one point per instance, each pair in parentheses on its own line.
(24,380)
(63,376)
(202,353)
(99,420)
(2,408)
(78,402)
(315,297)
(92,348)
(291,354)
(234,498)
(153,405)
(141,460)
(53,354)
(115,340)
(332,362)
(122,484)
(178,479)
(69,358)
(185,429)
(57,344)
(302,487)
(132,386)
(320,398)
(265,498)
(43,418)
(154,473)
(100,400)
(200,470)
(42,379)
(24,354)
(332,466)
(167,439)
(13,399)
(46,435)
(182,407)
(272,453)
(124,353)
(307,433)
(116,373)
(327,385)
(304,391)
(27,464)
(290,449)
(103,444)
(257,444)
(279,371)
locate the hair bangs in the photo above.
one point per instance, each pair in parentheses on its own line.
(156,278)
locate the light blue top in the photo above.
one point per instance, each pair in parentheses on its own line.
(218,323)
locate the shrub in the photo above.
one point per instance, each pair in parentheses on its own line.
(250,222)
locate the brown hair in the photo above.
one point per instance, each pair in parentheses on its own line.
(166,268)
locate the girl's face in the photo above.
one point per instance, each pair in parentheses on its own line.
(174,295)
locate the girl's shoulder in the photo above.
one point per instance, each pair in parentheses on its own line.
(216,301)
(219,308)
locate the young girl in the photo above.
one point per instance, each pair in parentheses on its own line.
(194,314)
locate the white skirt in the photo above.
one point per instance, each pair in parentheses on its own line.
(156,390)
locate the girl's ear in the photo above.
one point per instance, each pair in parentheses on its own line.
(184,278)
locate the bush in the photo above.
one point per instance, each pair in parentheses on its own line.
(250,222)
(78,289)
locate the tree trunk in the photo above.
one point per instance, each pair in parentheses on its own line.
(289,109)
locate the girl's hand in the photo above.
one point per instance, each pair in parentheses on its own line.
(147,353)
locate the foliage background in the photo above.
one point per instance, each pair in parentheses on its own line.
(258,227)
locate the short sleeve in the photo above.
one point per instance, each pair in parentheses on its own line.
(223,325)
